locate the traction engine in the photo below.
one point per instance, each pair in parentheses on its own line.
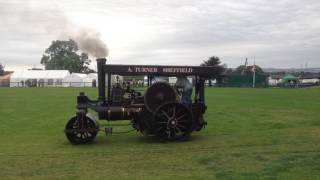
(158,111)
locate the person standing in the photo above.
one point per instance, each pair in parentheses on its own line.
(186,86)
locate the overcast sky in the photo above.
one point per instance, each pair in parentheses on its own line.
(276,33)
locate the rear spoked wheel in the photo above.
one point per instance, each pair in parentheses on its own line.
(172,121)
(81,131)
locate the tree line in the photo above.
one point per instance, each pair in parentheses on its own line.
(65,55)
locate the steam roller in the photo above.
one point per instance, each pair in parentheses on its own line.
(157,112)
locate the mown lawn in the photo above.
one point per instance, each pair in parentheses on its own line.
(251,134)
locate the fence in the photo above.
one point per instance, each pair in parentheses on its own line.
(48,84)
(136,85)
(31,84)
(4,83)
(246,80)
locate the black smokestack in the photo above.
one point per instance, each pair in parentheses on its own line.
(101,79)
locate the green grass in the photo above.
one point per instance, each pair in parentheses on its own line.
(251,134)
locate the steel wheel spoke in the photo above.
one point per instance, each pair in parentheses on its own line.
(163,119)
(165,114)
(183,127)
(180,117)
(184,122)
(178,112)
(172,132)
(176,131)
(161,122)
(179,130)
(159,128)
(173,112)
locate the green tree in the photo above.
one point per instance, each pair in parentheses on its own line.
(248,69)
(220,68)
(1,69)
(65,55)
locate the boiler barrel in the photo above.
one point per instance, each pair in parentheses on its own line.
(118,113)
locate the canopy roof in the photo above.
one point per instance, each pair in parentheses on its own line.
(93,75)
(78,75)
(290,77)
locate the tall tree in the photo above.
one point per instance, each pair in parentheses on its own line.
(65,55)
(1,69)
(220,68)
(248,69)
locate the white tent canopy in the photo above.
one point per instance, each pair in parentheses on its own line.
(82,75)
(34,78)
(93,75)
(81,80)
(74,80)
(91,80)
(56,78)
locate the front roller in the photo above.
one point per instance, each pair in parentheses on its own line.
(172,121)
(81,129)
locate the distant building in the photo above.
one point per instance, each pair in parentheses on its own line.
(5,80)
(310,79)
(274,80)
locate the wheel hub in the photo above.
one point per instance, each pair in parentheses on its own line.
(172,123)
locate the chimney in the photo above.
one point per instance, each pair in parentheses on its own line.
(101,79)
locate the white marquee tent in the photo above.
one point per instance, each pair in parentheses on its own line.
(91,80)
(56,78)
(38,78)
(74,80)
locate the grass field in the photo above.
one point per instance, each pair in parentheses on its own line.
(251,134)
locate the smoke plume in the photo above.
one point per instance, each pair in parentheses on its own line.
(90,42)
(57,25)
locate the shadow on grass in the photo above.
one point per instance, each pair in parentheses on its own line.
(133,139)
(156,140)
